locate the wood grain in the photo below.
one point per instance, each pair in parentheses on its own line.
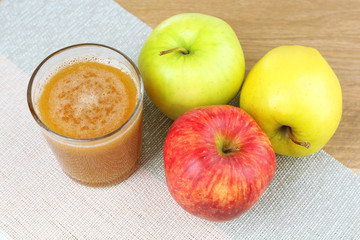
(331,26)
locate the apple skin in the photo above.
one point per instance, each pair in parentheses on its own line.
(293,86)
(218,162)
(211,73)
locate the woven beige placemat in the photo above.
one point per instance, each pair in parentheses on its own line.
(313,197)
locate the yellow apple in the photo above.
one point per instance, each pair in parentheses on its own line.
(295,97)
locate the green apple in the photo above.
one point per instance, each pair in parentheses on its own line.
(191,60)
(295,97)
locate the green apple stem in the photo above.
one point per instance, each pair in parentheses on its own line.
(304,144)
(181,49)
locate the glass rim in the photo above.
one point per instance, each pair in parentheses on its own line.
(73,139)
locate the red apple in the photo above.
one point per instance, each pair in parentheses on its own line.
(218,162)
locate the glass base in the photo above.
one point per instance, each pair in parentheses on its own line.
(110,182)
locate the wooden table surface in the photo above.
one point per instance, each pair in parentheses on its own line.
(331,26)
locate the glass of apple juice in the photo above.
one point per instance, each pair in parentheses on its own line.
(88,101)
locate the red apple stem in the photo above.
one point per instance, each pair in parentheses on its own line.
(304,144)
(230,149)
(181,49)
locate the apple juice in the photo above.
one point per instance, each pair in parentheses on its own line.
(87,99)
(92,114)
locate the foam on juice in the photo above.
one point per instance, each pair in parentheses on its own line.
(87,99)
